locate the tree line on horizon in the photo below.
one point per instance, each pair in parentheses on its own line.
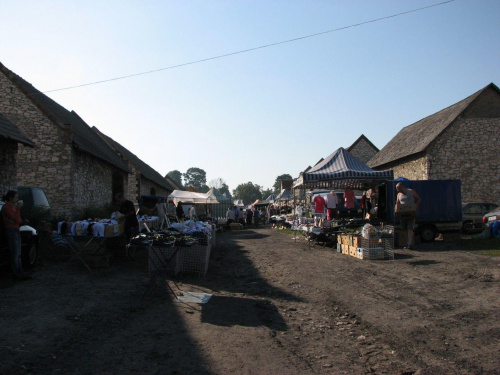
(248,192)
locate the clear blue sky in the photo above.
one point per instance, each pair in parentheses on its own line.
(256,115)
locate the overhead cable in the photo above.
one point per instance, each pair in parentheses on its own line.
(251,49)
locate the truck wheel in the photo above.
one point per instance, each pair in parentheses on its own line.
(428,233)
(467,227)
(29,256)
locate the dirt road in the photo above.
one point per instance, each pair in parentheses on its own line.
(278,307)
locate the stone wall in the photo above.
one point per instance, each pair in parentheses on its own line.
(92,183)
(146,186)
(413,169)
(48,165)
(363,151)
(468,150)
(8,166)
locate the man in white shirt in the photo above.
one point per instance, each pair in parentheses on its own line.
(192,212)
(331,205)
(230,216)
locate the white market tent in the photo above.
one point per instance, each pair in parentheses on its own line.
(191,197)
(341,170)
(219,210)
(238,203)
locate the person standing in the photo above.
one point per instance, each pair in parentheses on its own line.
(408,201)
(11,215)
(256,217)
(179,211)
(192,213)
(241,217)
(331,205)
(249,217)
(131,223)
(161,210)
(230,216)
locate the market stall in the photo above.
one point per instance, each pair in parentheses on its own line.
(340,170)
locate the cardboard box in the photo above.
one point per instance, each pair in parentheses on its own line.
(114,230)
(370,253)
(353,251)
(345,249)
(356,241)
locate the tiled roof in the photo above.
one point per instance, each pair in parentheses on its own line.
(82,136)
(10,131)
(415,138)
(145,169)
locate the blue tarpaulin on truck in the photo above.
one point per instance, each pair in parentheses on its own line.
(441,199)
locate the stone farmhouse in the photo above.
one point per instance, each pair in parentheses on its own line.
(73,164)
(362,149)
(10,137)
(458,142)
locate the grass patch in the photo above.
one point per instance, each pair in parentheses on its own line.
(488,247)
(286,231)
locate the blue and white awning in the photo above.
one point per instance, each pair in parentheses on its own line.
(341,169)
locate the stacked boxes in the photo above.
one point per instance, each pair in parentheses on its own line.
(348,244)
(378,247)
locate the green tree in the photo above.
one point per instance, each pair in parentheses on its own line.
(266,193)
(219,184)
(248,192)
(277,183)
(195,177)
(176,176)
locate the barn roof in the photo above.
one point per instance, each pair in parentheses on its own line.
(9,130)
(414,139)
(82,136)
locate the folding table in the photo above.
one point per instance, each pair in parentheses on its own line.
(161,262)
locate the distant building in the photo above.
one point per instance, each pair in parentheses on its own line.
(362,149)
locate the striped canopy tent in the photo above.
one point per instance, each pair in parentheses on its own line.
(341,170)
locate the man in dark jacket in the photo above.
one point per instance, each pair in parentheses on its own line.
(127,208)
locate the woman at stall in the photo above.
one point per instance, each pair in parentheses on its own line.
(11,216)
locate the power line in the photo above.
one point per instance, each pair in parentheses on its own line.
(252,49)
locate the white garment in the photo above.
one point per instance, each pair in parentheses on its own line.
(331,200)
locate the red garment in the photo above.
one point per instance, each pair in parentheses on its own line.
(348,198)
(11,216)
(319,204)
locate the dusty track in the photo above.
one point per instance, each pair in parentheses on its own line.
(278,307)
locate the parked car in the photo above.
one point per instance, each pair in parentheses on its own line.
(29,244)
(492,216)
(36,206)
(473,213)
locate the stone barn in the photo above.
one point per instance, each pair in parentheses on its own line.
(75,167)
(458,142)
(143,179)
